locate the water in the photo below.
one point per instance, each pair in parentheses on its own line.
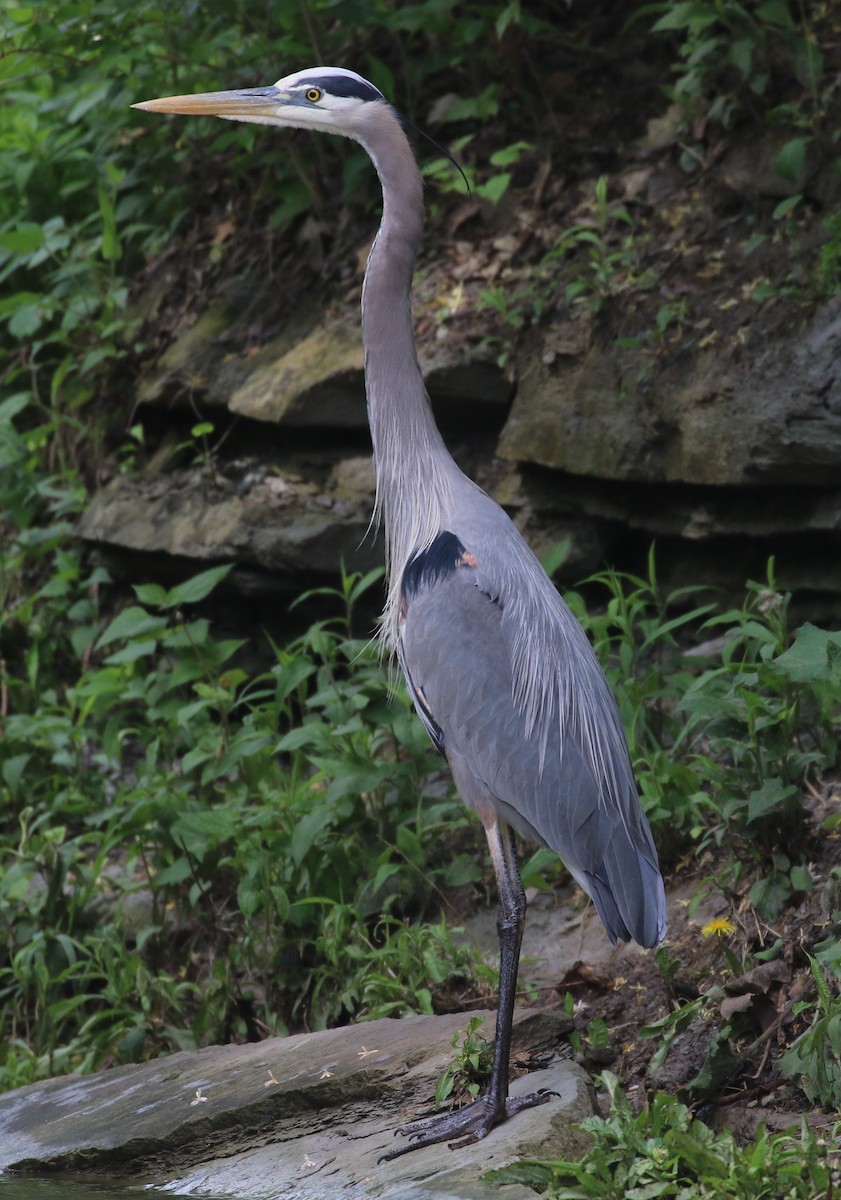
(59,1187)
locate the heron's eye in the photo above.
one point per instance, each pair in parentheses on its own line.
(313,95)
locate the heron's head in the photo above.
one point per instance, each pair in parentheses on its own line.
(327,99)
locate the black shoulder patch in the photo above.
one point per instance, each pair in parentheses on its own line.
(446,554)
(342,85)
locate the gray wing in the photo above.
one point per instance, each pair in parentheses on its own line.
(456,654)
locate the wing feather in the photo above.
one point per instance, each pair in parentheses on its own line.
(456,650)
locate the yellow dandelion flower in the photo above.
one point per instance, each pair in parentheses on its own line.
(720,926)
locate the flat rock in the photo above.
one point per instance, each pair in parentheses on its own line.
(281,521)
(310,375)
(318,381)
(303,1116)
(770,418)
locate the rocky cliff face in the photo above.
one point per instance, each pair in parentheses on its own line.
(690,393)
(722,462)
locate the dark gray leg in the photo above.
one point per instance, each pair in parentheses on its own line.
(476,1120)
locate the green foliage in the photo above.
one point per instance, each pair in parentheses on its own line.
(470,1067)
(635,634)
(828,273)
(814,1060)
(608,258)
(666,1152)
(190,855)
(601,263)
(729,50)
(741,57)
(721,743)
(150,792)
(395,970)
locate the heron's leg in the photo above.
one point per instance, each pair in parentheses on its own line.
(475,1121)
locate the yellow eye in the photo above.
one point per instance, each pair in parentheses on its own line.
(313,95)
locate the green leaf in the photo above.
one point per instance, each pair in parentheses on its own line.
(741,55)
(692,16)
(131,653)
(769,895)
(13,769)
(800,878)
(10,408)
(811,656)
(199,827)
(808,62)
(509,154)
(553,559)
(771,795)
(27,320)
(152,594)
(312,733)
(828,954)
(790,163)
(775,12)
(132,622)
(176,872)
(783,209)
(495,188)
(195,589)
(305,833)
(22,240)
(110,245)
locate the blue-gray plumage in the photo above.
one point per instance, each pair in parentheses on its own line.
(455,650)
(500,671)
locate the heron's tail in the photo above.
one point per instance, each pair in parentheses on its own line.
(629,897)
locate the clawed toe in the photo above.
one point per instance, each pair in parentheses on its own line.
(464,1126)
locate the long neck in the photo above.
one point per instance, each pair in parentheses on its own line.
(413,466)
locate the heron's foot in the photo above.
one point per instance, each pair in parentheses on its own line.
(468,1124)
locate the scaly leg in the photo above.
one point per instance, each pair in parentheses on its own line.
(476,1120)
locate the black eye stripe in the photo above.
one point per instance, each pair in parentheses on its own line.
(341,85)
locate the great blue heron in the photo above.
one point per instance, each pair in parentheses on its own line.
(499,670)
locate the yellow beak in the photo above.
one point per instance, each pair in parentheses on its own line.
(250,102)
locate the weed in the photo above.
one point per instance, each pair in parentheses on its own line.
(636,636)
(728,51)
(470,1066)
(828,273)
(767,719)
(666,1152)
(609,260)
(814,1060)
(721,747)
(274,816)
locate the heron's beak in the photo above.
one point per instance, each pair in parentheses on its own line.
(250,102)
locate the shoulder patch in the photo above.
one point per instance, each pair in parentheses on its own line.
(446,554)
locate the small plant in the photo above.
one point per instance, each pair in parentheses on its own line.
(666,1152)
(635,633)
(517,308)
(814,1060)
(767,717)
(609,259)
(469,1069)
(828,272)
(282,819)
(729,49)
